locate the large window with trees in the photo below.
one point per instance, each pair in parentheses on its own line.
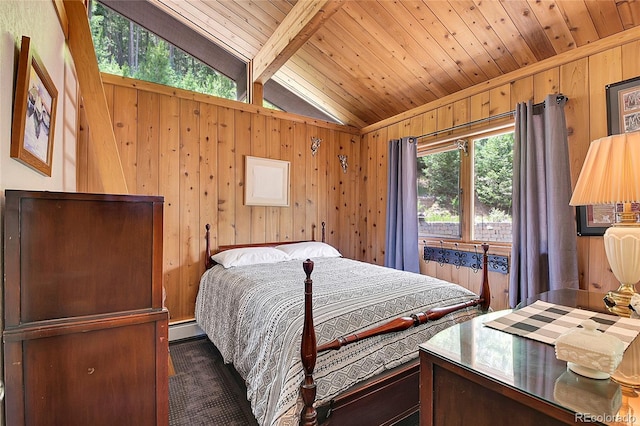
(124,48)
(465,187)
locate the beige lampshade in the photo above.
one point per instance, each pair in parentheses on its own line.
(611,171)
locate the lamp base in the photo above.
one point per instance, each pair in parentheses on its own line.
(622,246)
(618,301)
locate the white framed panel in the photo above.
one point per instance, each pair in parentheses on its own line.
(266,182)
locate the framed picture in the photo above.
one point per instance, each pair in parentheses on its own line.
(34,112)
(594,220)
(623,115)
(266,182)
(623,106)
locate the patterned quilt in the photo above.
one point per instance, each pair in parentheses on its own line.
(254,316)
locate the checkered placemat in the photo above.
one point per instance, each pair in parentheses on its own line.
(544,322)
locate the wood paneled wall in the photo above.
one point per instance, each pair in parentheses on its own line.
(191,149)
(581,75)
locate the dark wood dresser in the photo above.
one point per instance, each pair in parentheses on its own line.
(471,374)
(85,338)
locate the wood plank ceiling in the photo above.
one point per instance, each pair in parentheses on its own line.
(370,60)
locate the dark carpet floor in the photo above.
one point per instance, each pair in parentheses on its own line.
(205,391)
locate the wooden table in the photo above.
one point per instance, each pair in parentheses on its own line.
(471,374)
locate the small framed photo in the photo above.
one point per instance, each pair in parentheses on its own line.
(623,106)
(34,112)
(266,182)
(593,220)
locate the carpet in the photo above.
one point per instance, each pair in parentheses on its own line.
(205,391)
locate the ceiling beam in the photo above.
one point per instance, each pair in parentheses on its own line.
(103,141)
(295,29)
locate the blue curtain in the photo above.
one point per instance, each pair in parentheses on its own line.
(544,247)
(401,242)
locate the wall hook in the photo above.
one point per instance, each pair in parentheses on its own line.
(462,145)
(315,144)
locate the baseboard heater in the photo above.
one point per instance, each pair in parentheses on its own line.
(184,330)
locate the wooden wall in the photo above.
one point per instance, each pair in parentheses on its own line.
(581,75)
(191,149)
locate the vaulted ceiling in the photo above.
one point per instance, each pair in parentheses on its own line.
(362,61)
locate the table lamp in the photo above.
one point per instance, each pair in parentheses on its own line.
(611,175)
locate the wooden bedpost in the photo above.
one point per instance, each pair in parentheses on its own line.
(485,291)
(308,352)
(323,232)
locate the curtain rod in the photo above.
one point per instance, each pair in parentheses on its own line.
(559,98)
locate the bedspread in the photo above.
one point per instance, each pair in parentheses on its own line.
(254,316)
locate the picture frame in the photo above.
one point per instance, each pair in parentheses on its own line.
(623,106)
(34,112)
(266,182)
(591,220)
(623,115)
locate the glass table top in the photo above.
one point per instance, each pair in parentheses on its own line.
(531,367)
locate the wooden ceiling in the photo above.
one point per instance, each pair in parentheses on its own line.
(363,61)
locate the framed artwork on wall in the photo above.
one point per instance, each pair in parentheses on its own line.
(623,106)
(623,116)
(34,112)
(266,182)
(593,220)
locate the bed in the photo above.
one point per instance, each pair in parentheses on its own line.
(309,348)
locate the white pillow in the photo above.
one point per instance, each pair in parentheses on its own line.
(308,250)
(249,256)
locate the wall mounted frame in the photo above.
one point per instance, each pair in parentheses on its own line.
(34,112)
(623,116)
(266,182)
(623,106)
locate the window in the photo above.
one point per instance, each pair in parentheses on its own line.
(194,62)
(124,48)
(465,187)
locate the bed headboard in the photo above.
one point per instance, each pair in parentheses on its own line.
(208,263)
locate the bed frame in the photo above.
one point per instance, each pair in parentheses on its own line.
(208,262)
(382,400)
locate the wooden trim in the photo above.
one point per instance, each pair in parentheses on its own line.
(103,140)
(60,327)
(162,368)
(62,17)
(499,249)
(226,103)
(601,45)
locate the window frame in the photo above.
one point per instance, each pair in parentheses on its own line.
(441,143)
